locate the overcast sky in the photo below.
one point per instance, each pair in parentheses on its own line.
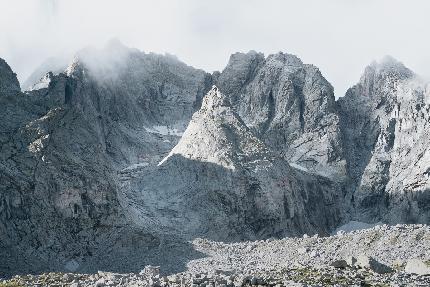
(341,37)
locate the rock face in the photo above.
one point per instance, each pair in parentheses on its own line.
(63,145)
(290,105)
(385,119)
(9,84)
(222,182)
(120,160)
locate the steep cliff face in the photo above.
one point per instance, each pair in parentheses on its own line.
(384,122)
(290,105)
(9,85)
(63,144)
(222,182)
(138,98)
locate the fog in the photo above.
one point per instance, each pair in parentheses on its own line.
(341,37)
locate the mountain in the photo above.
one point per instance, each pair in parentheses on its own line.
(9,84)
(385,119)
(121,159)
(220,181)
(290,105)
(63,145)
(55,65)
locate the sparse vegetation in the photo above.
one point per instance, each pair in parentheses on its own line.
(10,284)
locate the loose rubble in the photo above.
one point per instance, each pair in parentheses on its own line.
(384,256)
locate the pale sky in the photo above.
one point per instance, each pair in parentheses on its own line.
(341,37)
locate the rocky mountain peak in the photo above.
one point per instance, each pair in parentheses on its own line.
(239,57)
(215,99)
(43,82)
(241,68)
(75,68)
(218,135)
(384,121)
(55,65)
(383,77)
(284,59)
(8,81)
(389,64)
(104,64)
(287,103)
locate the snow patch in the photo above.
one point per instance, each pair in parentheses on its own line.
(292,164)
(137,165)
(42,84)
(353,226)
(165,131)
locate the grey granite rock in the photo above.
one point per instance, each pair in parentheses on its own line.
(384,121)
(9,85)
(339,263)
(63,146)
(370,263)
(222,182)
(290,105)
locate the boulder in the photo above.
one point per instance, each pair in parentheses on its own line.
(350,260)
(339,264)
(150,271)
(370,263)
(417,266)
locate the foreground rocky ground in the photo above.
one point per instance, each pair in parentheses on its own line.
(381,256)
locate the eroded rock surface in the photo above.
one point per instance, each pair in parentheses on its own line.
(63,145)
(385,120)
(290,106)
(222,182)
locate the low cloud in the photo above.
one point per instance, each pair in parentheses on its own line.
(339,36)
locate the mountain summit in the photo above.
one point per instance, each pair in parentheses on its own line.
(216,134)
(8,81)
